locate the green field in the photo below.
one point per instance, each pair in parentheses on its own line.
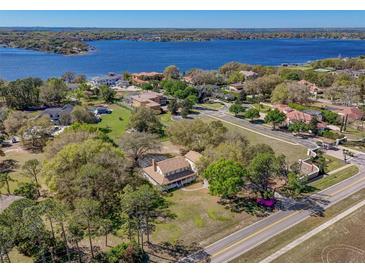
(292,152)
(199,218)
(116,122)
(214,106)
(335,178)
(332,163)
(342,242)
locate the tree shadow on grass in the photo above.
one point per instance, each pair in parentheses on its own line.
(179,252)
(245,204)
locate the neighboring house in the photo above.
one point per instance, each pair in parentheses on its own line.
(188,79)
(313,89)
(236,87)
(110,80)
(352,113)
(55,114)
(249,74)
(170,173)
(305,116)
(283,108)
(152,100)
(351,72)
(102,110)
(193,157)
(314,113)
(145,77)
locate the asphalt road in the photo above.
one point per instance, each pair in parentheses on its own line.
(257,128)
(247,238)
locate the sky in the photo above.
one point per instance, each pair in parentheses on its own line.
(184,19)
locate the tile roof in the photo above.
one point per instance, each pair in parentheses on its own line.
(193,156)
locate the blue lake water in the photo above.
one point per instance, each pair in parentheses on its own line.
(133,56)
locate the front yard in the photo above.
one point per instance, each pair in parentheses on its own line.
(199,218)
(116,122)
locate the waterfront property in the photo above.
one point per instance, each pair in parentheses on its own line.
(152,100)
(110,80)
(57,114)
(144,77)
(173,172)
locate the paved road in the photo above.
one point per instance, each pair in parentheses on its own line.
(260,129)
(247,238)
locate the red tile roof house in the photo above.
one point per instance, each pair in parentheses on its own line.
(313,89)
(293,115)
(172,173)
(144,77)
(352,113)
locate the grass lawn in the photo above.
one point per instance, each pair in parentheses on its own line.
(16,257)
(335,178)
(165,119)
(342,242)
(116,122)
(214,106)
(269,247)
(292,152)
(262,107)
(21,156)
(332,163)
(199,218)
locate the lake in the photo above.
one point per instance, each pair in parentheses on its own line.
(137,56)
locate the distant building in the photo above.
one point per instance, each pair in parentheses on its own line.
(102,110)
(152,100)
(55,114)
(352,113)
(145,77)
(313,89)
(236,87)
(249,74)
(170,173)
(110,80)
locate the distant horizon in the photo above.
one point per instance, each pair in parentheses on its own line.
(234,19)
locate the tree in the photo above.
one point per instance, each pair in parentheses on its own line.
(252,113)
(141,208)
(76,234)
(126,253)
(196,134)
(92,169)
(186,106)
(22,94)
(235,77)
(68,76)
(32,169)
(298,127)
(107,93)
(87,212)
(173,106)
(6,242)
(225,177)
(280,94)
(137,144)
(275,117)
(262,168)
(171,72)
(5,180)
(28,190)
(35,133)
(145,120)
(53,92)
(81,114)
(330,116)
(295,186)
(236,108)
(15,121)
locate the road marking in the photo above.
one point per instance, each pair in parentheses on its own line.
(256,233)
(346,187)
(254,131)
